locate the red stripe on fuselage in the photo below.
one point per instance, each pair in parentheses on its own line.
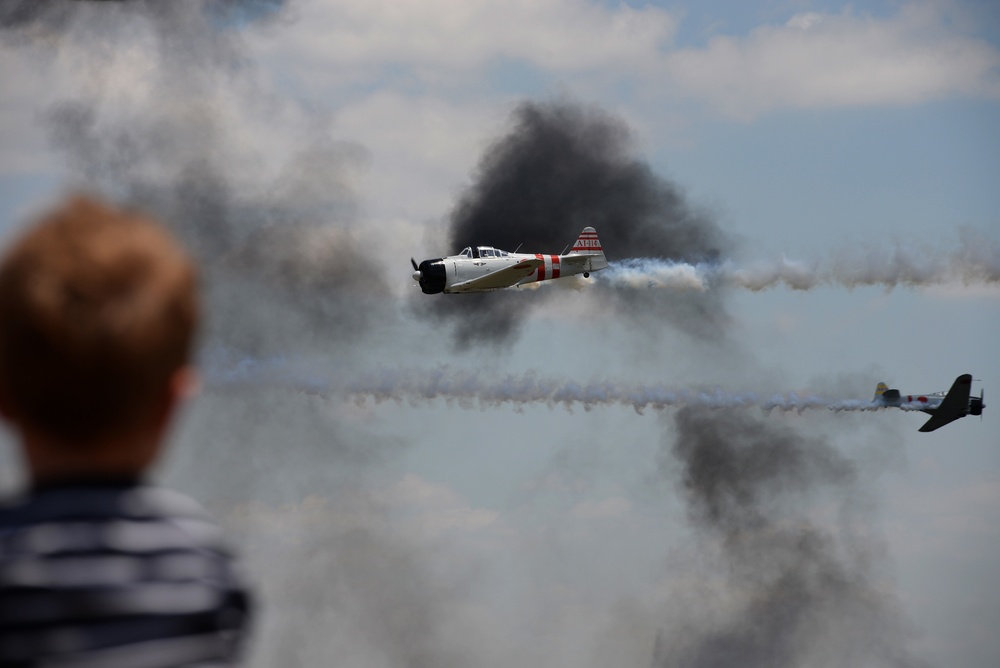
(541,268)
(555,266)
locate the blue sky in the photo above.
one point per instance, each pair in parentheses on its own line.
(817,131)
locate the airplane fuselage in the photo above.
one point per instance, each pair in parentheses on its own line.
(925,403)
(458,269)
(944,407)
(485,268)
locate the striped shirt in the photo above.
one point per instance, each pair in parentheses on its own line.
(116,575)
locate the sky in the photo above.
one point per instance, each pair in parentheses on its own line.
(491,479)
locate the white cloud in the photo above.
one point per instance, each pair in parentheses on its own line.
(460,35)
(408,78)
(421,147)
(25,150)
(817,61)
(415,492)
(610,508)
(954,514)
(433,509)
(448,49)
(423,510)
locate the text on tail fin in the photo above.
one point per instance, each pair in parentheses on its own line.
(587,242)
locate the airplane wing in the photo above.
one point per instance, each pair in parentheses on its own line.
(502,278)
(954,405)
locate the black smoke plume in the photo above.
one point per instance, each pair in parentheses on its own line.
(798,593)
(560,167)
(279,255)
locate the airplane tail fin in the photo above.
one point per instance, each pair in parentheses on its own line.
(588,244)
(880,390)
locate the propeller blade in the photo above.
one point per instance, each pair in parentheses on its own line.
(414,263)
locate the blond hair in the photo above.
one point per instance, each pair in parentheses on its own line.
(98,307)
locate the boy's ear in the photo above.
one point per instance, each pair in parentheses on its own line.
(184,383)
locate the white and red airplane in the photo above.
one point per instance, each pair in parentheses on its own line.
(485,268)
(943,407)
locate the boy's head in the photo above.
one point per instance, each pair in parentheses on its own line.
(98,307)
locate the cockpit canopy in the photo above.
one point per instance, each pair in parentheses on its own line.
(483,251)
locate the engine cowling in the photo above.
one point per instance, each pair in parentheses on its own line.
(432,276)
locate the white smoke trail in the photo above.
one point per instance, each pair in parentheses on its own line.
(648,273)
(474,389)
(974,261)
(470,389)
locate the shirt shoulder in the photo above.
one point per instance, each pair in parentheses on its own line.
(134,518)
(121,568)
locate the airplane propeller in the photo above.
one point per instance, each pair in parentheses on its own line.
(414,263)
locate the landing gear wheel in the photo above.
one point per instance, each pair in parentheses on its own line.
(586,274)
